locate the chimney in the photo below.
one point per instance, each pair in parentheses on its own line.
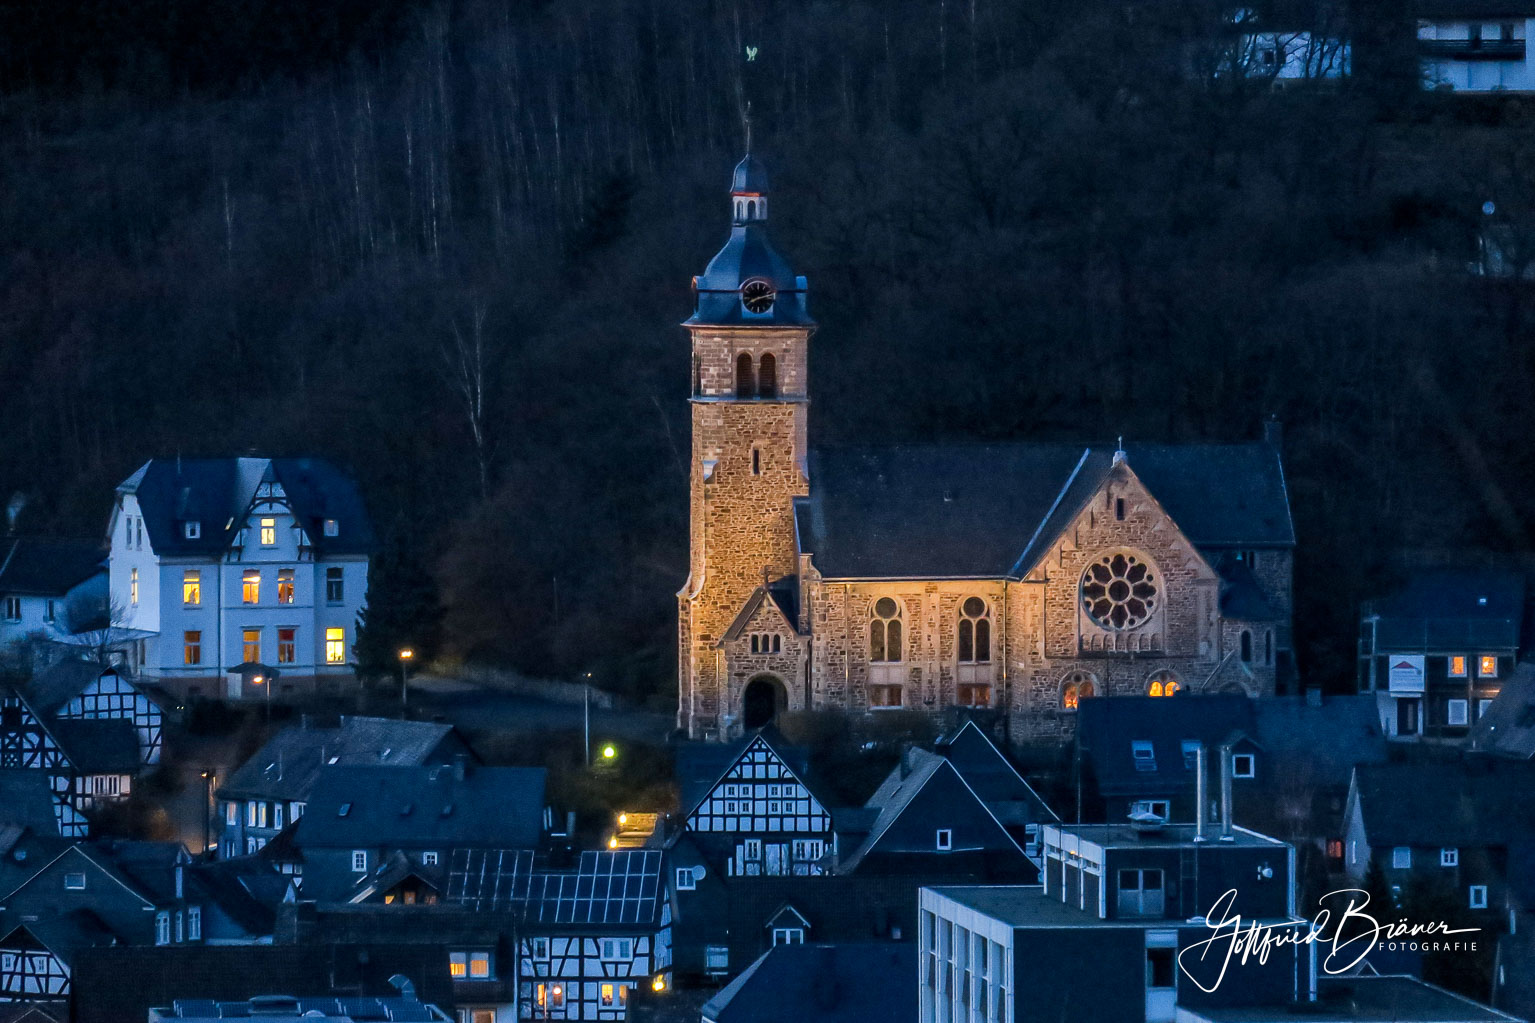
(1226,835)
(460,767)
(570,822)
(1273,432)
(1201,766)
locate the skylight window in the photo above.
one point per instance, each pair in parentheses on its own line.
(344,809)
(1143,754)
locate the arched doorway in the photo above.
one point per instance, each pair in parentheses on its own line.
(763,700)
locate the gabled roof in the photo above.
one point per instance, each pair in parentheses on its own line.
(410,807)
(245,889)
(1507,727)
(1241,596)
(988,511)
(844,983)
(1476,801)
(779,596)
(1107,727)
(67,934)
(899,791)
(217,493)
(1449,609)
(287,766)
(47,566)
(989,772)
(53,687)
(703,765)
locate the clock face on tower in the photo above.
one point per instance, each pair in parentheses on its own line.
(757,296)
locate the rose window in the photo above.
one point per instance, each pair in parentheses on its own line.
(1119,591)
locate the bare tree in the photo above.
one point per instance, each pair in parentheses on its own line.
(468,372)
(96,627)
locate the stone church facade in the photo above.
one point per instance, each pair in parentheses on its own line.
(1016,578)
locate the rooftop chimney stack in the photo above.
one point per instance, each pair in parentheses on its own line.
(1201,766)
(1226,835)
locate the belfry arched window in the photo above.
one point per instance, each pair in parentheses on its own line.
(1076,687)
(885,631)
(767,377)
(1247,646)
(1163,683)
(745,386)
(974,631)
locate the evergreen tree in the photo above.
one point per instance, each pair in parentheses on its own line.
(402,612)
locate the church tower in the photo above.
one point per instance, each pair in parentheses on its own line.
(750,335)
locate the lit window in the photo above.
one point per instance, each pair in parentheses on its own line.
(268,532)
(286,646)
(251,639)
(885,631)
(232,814)
(1335,848)
(335,646)
(133,588)
(1163,683)
(1456,667)
(1456,711)
(1078,686)
(607,992)
(945,840)
(1478,896)
(250,814)
(458,964)
(285,585)
(192,647)
(479,965)
(1487,666)
(334,589)
(974,632)
(331,528)
(1401,857)
(359,860)
(74,882)
(191,587)
(685,880)
(250,586)
(1449,857)
(1243,765)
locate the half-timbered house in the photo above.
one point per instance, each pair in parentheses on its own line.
(87,761)
(77,690)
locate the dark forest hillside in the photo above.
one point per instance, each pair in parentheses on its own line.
(448,244)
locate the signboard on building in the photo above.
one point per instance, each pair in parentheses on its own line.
(1405,672)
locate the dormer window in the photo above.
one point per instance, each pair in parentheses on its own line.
(192,530)
(1144,755)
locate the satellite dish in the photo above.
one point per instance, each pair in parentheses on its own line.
(1489,208)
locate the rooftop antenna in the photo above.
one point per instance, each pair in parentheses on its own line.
(1119,450)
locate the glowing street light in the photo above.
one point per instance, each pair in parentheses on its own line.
(609,751)
(659,984)
(406,655)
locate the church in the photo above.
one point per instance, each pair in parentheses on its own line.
(1018,578)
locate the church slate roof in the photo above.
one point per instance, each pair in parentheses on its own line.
(217,493)
(990,510)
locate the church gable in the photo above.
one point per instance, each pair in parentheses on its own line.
(759,792)
(762,620)
(1121,577)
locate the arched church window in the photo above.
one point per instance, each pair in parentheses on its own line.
(745,386)
(751,210)
(1076,687)
(1247,646)
(767,377)
(974,631)
(1163,683)
(885,631)
(1119,590)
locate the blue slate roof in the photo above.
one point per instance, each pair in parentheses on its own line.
(748,256)
(413,807)
(850,983)
(290,762)
(1107,726)
(1451,609)
(987,511)
(47,566)
(217,492)
(701,765)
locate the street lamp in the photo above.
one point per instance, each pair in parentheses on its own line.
(262,680)
(208,777)
(609,751)
(406,655)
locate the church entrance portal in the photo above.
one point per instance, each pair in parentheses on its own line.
(763,701)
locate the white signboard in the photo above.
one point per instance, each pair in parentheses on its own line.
(1405,672)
